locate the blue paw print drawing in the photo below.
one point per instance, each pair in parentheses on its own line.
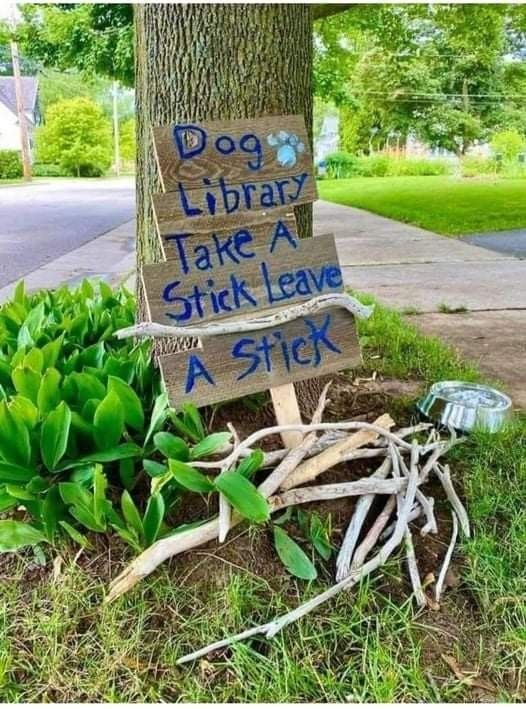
(287,147)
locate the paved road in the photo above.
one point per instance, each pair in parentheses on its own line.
(47,219)
(512,242)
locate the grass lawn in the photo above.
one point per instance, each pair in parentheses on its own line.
(59,643)
(447,205)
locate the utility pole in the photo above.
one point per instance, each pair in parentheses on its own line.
(117,157)
(22,121)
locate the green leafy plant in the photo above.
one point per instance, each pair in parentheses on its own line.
(292,556)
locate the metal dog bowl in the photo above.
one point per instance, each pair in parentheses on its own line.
(466,406)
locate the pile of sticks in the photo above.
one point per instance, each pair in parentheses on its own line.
(405,468)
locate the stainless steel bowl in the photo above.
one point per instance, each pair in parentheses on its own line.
(466,406)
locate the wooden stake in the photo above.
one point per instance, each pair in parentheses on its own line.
(287,412)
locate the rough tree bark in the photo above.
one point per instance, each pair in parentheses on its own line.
(206,62)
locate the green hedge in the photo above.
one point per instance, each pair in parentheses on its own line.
(343,165)
(10,165)
(42,169)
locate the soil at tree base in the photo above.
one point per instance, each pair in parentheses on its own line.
(452,628)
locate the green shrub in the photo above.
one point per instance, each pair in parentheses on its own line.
(374,166)
(342,165)
(81,414)
(76,136)
(509,144)
(421,167)
(472,166)
(10,164)
(49,170)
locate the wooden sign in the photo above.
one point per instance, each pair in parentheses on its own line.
(228,234)
(211,283)
(206,234)
(228,168)
(229,366)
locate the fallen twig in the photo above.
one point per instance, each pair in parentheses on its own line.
(444,476)
(343,562)
(321,302)
(335,454)
(447,558)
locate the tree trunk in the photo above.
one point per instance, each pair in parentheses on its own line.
(206,62)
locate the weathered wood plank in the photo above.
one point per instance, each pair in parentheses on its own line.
(177,237)
(231,366)
(289,273)
(221,198)
(267,146)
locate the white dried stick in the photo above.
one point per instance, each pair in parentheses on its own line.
(314,305)
(335,454)
(273,627)
(447,558)
(343,562)
(443,474)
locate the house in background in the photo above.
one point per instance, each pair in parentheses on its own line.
(329,138)
(9,127)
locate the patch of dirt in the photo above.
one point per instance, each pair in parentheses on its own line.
(452,628)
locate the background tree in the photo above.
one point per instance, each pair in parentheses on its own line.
(448,73)
(76,136)
(127,146)
(95,39)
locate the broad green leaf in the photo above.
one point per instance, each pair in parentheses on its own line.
(54,435)
(108,422)
(133,411)
(171,446)
(88,386)
(99,493)
(26,382)
(93,356)
(87,519)
(34,359)
(15,446)
(251,464)
(124,450)
(16,535)
(293,557)
(192,419)
(73,493)
(127,473)
(19,294)
(51,351)
(131,514)
(81,425)
(153,468)
(159,413)
(153,518)
(37,484)
(20,492)
(48,397)
(52,510)
(25,409)
(189,477)
(129,536)
(210,445)
(319,537)
(243,496)
(10,473)
(89,408)
(75,534)
(6,501)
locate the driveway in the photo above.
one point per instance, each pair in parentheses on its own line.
(46,219)
(415,270)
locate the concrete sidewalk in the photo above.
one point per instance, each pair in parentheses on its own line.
(110,256)
(415,270)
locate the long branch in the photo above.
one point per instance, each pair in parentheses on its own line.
(230,327)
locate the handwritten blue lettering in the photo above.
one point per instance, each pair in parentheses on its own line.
(195,370)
